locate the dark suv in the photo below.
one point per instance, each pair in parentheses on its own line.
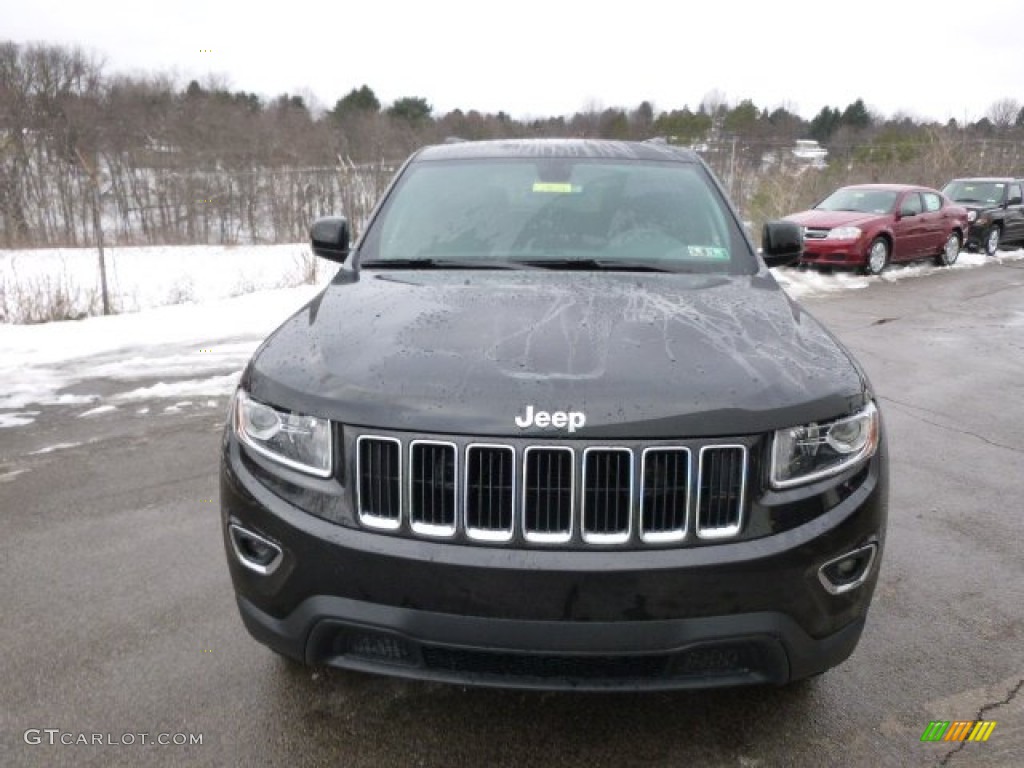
(554,424)
(995,211)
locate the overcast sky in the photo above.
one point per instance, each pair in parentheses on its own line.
(551,57)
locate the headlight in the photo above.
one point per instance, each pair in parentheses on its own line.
(983,220)
(812,452)
(299,442)
(843,233)
(971,216)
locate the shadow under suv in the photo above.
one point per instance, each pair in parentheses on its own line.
(554,424)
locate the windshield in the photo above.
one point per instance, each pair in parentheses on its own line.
(555,212)
(862,200)
(990,192)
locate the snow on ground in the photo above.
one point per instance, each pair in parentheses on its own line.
(188,353)
(98,410)
(800,283)
(54,447)
(151,276)
(200,340)
(191,350)
(18,418)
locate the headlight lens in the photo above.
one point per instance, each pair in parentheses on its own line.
(971,216)
(299,442)
(815,451)
(843,233)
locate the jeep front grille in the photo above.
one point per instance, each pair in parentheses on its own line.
(596,495)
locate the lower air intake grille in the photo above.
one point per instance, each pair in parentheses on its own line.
(545,666)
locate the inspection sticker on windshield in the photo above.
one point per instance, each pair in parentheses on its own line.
(557,187)
(709,252)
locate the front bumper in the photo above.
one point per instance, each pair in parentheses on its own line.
(835,253)
(683,653)
(750,611)
(976,236)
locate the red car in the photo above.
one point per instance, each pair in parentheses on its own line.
(868,225)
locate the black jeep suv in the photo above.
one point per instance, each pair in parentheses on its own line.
(554,424)
(995,211)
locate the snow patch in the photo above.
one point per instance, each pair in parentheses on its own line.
(17,419)
(150,276)
(97,411)
(52,448)
(215,385)
(6,477)
(810,282)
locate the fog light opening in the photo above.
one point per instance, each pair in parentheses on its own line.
(848,571)
(253,551)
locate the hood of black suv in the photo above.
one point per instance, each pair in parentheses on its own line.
(640,355)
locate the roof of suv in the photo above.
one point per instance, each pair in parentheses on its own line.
(581,148)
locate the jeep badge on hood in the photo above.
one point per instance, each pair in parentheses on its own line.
(557,419)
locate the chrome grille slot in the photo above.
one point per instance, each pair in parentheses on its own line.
(666,494)
(490,480)
(432,487)
(720,495)
(548,478)
(607,495)
(378,489)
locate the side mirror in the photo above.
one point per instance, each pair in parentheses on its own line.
(329,236)
(1014,201)
(782,242)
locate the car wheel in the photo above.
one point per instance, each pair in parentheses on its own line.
(992,241)
(878,256)
(950,252)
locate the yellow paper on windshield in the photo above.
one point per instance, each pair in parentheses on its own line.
(556,187)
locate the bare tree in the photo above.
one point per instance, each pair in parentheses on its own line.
(1003,113)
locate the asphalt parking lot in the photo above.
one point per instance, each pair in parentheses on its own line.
(119,620)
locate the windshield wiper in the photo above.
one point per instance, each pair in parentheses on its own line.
(598,265)
(439,264)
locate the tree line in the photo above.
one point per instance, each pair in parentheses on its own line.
(151,161)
